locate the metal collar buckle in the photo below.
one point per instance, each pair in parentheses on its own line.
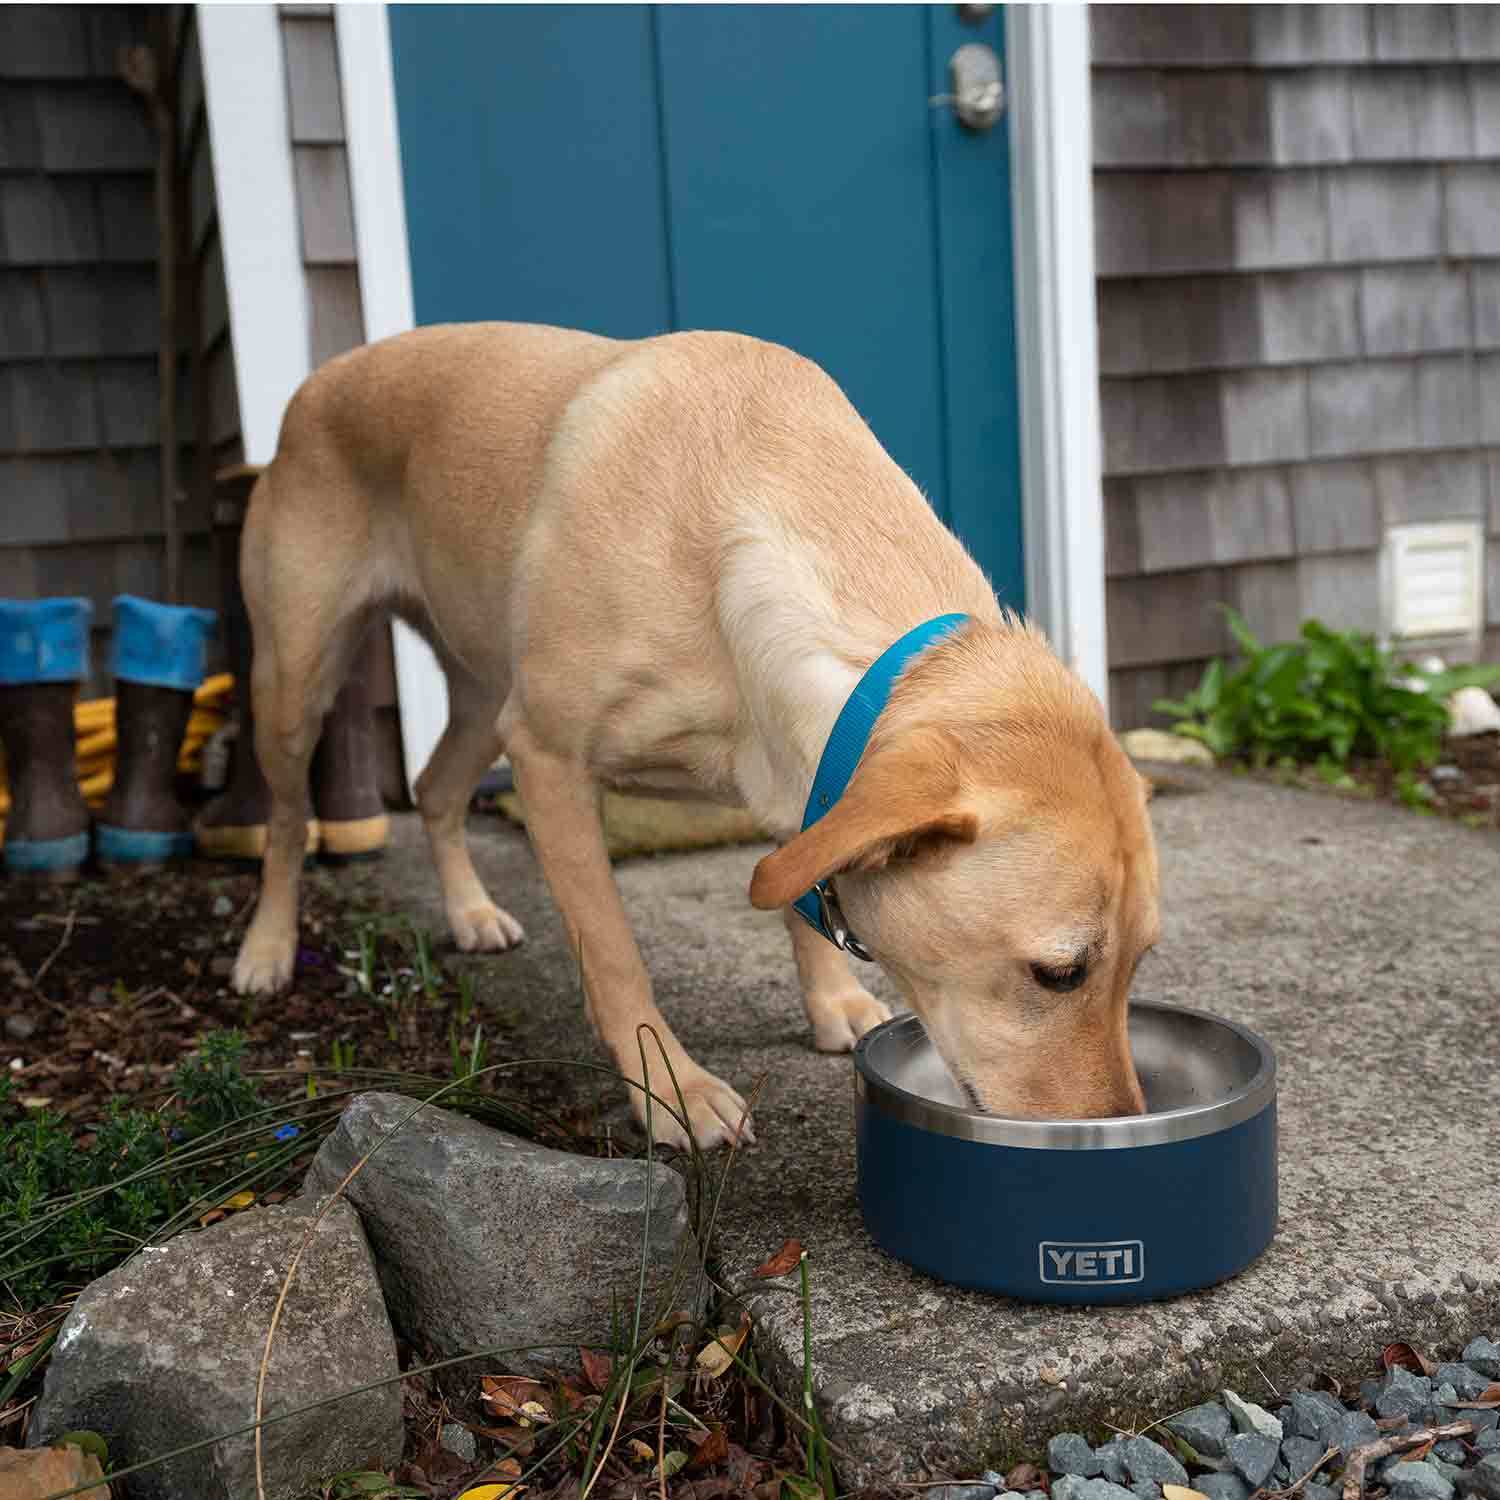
(835,926)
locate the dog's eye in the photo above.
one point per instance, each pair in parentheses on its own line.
(1060,980)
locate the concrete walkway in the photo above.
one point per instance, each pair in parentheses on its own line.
(1361,941)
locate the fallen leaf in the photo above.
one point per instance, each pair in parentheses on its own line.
(1023,1477)
(717,1356)
(241,1199)
(1407,1357)
(212,1217)
(670,1464)
(786,1259)
(1417,1454)
(1048,1376)
(514,1397)
(1181,1492)
(641,1452)
(493,1492)
(1487,1400)
(800,1487)
(714,1449)
(597,1368)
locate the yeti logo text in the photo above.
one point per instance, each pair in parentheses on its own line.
(1095,1262)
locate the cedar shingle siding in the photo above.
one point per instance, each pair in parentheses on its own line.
(1298,240)
(80,507)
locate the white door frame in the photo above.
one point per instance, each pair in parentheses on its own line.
(1052,223)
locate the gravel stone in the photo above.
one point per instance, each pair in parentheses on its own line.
(1483,1479)
(1369,1391)
(1312,1490)
(1146,1489)
(1418,1481)
(1355,1429)
(1446,1394)
(1076,1487)
(1301,1453)
(1487,1442)
(1253,1457)
(1484,1355)
(1071,1453)
(457,1438)
(1317,1415)
(964,1492)
(1111,1458)
(1248,1417)
(1148,1460)
(20,1028)
(1451,1452)
(223,906)
(1464,1379)
(1222,1487)
(1483,1420)
(1206,1428)
(1404,1394)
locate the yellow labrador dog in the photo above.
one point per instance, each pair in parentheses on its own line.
(664,566)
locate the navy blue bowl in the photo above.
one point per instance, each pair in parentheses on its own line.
(1125,1209)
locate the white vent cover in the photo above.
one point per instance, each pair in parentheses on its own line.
(1434,580)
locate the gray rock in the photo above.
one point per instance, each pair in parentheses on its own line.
(1444,1393)
(1222,1487)
(1071,1453)
(20,1028)
(457,1438)
(1355,1430)
(1111,1456)
(1253,1457)
(1404,1394)
(1451,1452)
(1483,1420)
(1206,1428)
(1076,1487)
(1483,1479)
(993,1478)
(223,906)
(166,1350)
(1487,1442)
(1312,1490)
(1147,1460)
(1484,1355)
(486,1241)
(1433,1415)
(1248,1417)
(1369,1392)
(1301,1453)
(963,1492)
(1317,1415)
(1465,1379)
(1419,1481)
(1145,1489)
(1449,1471)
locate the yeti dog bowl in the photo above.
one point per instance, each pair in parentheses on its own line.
(1123,1209)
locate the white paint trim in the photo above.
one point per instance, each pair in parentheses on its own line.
(1047,50)
(379,194)
(244,85)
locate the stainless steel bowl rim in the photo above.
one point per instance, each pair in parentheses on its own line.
(1116,1132)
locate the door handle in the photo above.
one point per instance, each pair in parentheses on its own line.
(978,96)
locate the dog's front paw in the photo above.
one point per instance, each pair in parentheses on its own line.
(484,929)
(264,965)
(840,1020)
(714,1111)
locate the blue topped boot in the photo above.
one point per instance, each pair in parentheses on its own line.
(158,660)
(44,655)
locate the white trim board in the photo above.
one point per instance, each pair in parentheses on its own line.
(244,86)
(369,88)
(1047,49)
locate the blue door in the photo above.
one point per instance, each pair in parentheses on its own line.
(779,170)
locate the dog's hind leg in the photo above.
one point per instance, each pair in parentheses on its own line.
(840,1008)
(469,746)
(306,625)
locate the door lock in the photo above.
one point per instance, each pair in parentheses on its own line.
(978,96)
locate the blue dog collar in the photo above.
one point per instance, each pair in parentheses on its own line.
(846,743)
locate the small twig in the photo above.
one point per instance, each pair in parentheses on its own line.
(69,922)
(661,1436)
(1295,1487)
(1270,1384)
(1354,1473)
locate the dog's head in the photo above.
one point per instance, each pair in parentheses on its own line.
(994,853)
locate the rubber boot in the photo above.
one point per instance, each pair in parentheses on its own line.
(352,823)
(158,661)
(232,826)
(44,655)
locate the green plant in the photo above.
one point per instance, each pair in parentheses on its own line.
(72,1211)
(1321,700)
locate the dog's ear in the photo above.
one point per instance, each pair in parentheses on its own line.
(901,803)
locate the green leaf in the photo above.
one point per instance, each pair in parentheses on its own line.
(89,1442)
(1241,631)
(800,1487)
(670,1464)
